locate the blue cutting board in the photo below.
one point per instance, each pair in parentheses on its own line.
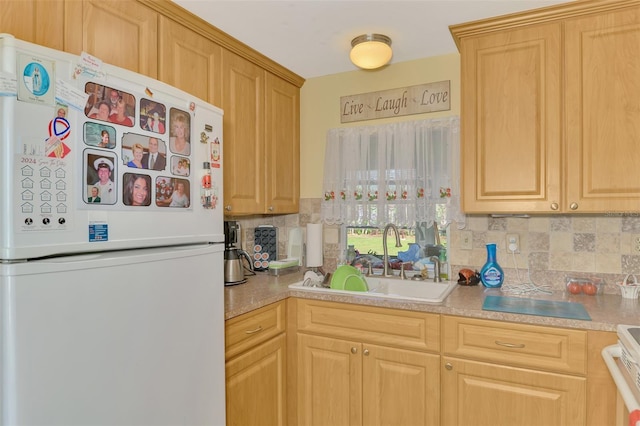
(545,308)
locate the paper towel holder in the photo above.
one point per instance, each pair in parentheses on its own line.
(317,269)
(312,261)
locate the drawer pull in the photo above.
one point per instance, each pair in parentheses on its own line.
(254,331)
(510,345)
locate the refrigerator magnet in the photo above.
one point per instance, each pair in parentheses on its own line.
(36,80)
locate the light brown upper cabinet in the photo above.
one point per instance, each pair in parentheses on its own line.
(121,33)
(551,110)
(282,145)
(262,140)
(44,26)
(243,100)
(602,111)
(189,61)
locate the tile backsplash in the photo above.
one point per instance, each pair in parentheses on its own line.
(551,247)
(554,247)
(309,213)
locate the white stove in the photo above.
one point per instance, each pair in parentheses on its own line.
(626,371)
(629,340)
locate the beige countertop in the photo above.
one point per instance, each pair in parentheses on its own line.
(606,311)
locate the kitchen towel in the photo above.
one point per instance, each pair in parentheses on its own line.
(314,245)
(546,308)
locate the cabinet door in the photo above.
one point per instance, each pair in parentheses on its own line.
(121,33)
(400,387)
(282,145)
(603,111)
(243,104)
(189,61)
(35,21)
(256,385)
(511,105)
(329,381)
(475,393)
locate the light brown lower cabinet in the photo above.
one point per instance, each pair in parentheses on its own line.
(500,373)
(361,365)
(256,385)
(256,367)
(479,393)
(353,383)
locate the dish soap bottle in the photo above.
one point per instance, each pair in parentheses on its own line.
(491,273)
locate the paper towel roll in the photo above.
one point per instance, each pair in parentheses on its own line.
(314,245)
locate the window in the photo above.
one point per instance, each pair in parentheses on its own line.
(402,173)
(368,240)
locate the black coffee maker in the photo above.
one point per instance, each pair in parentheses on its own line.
(236,261)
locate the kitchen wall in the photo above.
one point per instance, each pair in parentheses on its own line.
(320,106)
(552,247)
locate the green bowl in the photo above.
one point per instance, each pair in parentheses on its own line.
(346,277)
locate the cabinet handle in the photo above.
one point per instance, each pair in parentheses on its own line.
(366,352)
(448,366)
(573,206)
(228,208)
(510,345)
(255,330)
(354,350)
(270,208)
(554,206)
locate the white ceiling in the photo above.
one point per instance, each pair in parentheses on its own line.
(313,37)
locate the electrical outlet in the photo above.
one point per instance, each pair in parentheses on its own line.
(513,243)
(466,240)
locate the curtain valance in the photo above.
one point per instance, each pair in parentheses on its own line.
(399,173)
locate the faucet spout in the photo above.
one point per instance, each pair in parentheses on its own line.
(385,259)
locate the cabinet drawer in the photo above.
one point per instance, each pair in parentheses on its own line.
(254,327)
(405,329)
(530,346)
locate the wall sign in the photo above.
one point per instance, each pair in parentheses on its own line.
(429,97)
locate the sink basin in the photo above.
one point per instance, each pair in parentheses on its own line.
(393,288)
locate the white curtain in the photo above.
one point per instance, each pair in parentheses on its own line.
(399,173)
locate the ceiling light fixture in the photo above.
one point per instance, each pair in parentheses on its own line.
(370,51)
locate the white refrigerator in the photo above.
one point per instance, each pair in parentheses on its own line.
(111,246)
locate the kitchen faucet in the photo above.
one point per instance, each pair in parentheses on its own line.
(436,269)
(385,259)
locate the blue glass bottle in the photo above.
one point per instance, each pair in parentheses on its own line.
(491,273)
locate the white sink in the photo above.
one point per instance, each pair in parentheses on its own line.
(393,288)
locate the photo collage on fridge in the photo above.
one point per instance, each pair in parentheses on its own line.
(137,162)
